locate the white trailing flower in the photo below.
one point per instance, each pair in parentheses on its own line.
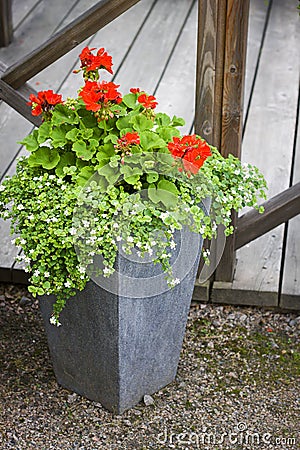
(2,188)
(164,215)
(115,225)
(67,284)
(81,269)
(118,238)
(36,273)
(130,239)
(53,320)
(174,282)
(47,274)
(172,245)
(20,207)
(72,231)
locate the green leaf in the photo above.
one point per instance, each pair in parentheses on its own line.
(62,114)
(31,141)
(84,175)
(124,122)
(82,151)
(72,135)
(66,160)
(130,100)
(44,132)
(45,157)
(86,133)
(152,177)
(178,121)
(150,140)
(167,185)
(132,179)
(111,174)
(162,119)
(58,135)
(104,154)
(165,192)
(167,133)
(141,123)
(113,138)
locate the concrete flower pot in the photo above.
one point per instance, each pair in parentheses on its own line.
(114,348)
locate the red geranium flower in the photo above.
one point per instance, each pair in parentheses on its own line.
(43,102)
(148,101)
(129,139)
(192,150)
(94,62)
(135,90)
(95,94)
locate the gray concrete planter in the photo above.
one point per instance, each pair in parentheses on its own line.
(113,348)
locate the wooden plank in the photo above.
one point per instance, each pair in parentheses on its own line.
(290,293)
(6,28)
(268,141)
(210,62)
(18,100)
(278,210)
(176,90)
(257,20)
(232,107)
(21,11)
(145,62)
(225,293)
(69,37)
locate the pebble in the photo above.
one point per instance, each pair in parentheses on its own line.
(25,301)
(148,400)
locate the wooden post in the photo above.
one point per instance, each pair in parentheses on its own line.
(6,30)
(222,43)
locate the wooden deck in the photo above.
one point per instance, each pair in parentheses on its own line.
(154,47)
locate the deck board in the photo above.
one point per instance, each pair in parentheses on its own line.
(268,141)
(154,47)
(291,274)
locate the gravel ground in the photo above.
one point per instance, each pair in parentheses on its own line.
(237,387)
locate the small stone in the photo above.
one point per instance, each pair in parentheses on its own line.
(24,301)
(127,422)
(232,375)
(72,398)
(242,318)
(148,400)
(211,345)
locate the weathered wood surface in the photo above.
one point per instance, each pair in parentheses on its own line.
(268,141)
(69,37)
(232,107)
(6,26)
(279,209)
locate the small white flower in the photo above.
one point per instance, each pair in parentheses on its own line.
(73,231)
(118,238)
(36,273)
(27,260)
(82,277)
(48,220)
(20,207)
(130,239)
(47,274)
(153,243)
(53,320)
(52,177)
(86,223)
(2,188)
(31,251)
(172,245)
(150,251)
(81,269)
(5,214)
(30,217)
(107,271)
(115,225)
(67,284)
(27,269)
(13,241)
(22,241)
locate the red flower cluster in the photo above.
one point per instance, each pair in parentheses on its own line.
(135,90)
(129,139)
(94,62)
(43,102)
(192,150)
(95,94)
(148,101)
